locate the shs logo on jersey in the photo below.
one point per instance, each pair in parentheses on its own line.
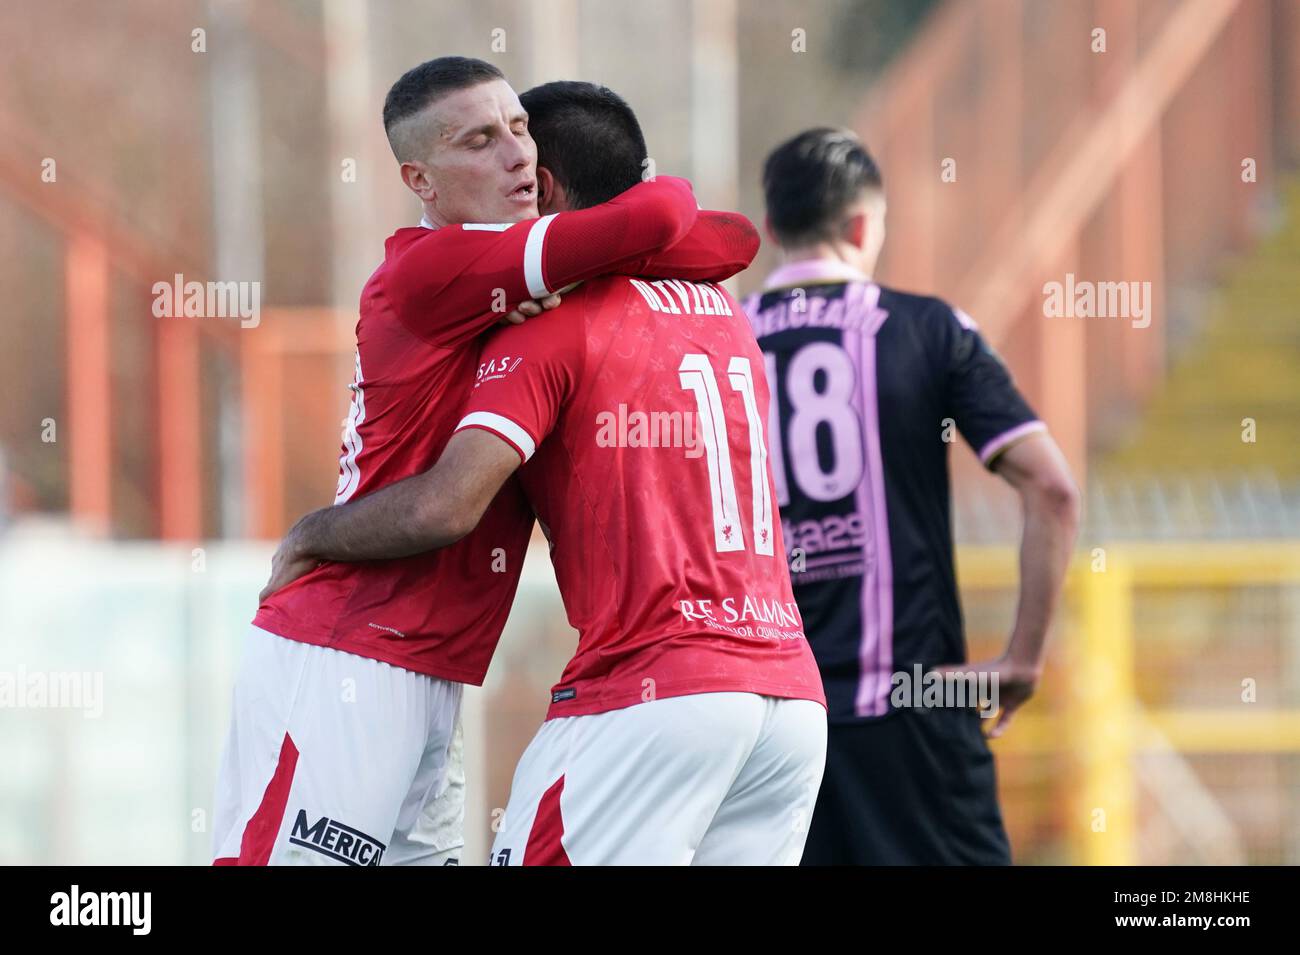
(337,841)
(496,368)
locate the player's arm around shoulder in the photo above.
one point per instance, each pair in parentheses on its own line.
(459,280)
(718,246)
(525,374)
(421,513)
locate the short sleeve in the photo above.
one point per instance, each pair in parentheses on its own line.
(525,374)
(989,410)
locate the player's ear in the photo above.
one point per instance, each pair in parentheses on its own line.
(417,179)
(550,194)
(875,237)
(767,227)
(857,228)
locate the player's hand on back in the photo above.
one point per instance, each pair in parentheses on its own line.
(1011,685)
(287,565)
(531,309)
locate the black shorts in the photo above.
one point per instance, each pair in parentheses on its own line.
(916,787)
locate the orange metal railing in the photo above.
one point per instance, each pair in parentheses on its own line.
(1016,150)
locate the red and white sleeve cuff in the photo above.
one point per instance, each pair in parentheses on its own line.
(534,246)
(505,429)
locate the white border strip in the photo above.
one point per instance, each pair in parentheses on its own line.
(502,426)
(533,277)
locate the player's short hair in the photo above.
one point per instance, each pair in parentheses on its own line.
(427,83)
(588,137)
(810,181)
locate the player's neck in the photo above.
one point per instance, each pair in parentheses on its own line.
(828,251)
(429,217)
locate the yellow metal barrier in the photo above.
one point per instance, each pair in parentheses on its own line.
(1100,724)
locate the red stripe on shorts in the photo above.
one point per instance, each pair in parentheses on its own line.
(260,833)
(544,840)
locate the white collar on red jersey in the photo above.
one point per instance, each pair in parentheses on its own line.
(425,223)
(814,270)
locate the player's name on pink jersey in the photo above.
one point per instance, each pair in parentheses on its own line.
(676,297)
(855,309)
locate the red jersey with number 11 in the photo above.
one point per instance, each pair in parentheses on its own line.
(640,408)
(422,312)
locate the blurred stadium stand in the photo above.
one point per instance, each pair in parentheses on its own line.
(176,434)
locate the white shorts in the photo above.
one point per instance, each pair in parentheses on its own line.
(331,759)
(704,779)
(441,825)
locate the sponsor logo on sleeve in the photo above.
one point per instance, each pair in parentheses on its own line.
(496,368)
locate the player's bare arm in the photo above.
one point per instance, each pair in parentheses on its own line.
(418,514)
(1050,505)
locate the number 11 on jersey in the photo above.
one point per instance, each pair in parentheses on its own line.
(697,377)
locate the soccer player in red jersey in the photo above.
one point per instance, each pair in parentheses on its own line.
(350,683)
(690,725)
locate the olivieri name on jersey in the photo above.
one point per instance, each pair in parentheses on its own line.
(695,298)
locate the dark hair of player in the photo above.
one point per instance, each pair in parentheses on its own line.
(588,137)
(810,181)
(428,82)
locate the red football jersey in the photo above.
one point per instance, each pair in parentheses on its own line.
(640,408)
(422,311)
